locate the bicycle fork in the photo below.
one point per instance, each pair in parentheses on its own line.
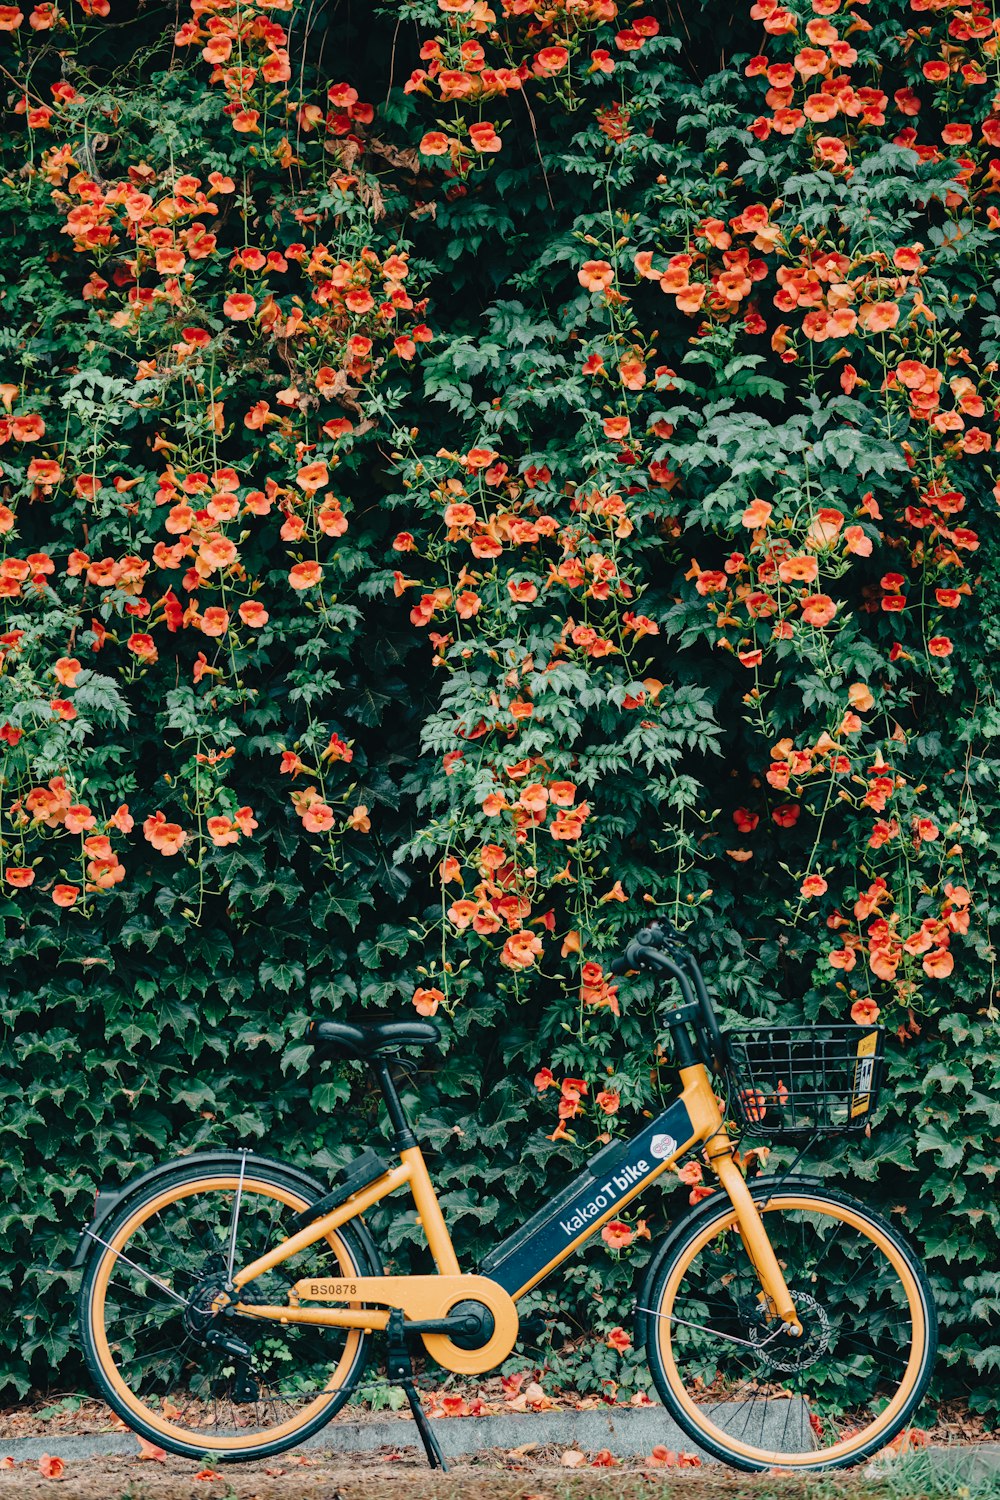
(777,1300)
(703,1108)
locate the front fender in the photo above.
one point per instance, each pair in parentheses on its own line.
(110,1199)
(706,1209)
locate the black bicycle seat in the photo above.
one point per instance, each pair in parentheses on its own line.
(372,1036)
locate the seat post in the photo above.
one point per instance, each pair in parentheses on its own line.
(403,1137)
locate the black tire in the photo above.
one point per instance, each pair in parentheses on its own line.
(678,1252)
(298,1193)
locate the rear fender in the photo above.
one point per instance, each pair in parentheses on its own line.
(111,1199)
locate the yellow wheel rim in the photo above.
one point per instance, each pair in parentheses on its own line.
(842,1450)
(105,1356)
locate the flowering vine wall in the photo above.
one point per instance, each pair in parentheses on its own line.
(472,482)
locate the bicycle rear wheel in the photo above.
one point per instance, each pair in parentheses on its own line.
(757,1398)
(143,1316)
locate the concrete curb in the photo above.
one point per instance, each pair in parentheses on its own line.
(625,1432)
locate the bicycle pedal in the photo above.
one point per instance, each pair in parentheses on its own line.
(532,1329)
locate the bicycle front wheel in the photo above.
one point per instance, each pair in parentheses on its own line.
(758,1398)
(235,1387)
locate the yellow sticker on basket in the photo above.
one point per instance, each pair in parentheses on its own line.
(864,1069)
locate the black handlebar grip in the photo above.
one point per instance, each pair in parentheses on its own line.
(619,965)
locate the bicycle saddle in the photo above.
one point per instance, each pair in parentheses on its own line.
(371,1036)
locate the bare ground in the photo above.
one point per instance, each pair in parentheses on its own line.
(491,1477)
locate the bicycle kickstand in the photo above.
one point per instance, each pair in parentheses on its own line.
(400,1370)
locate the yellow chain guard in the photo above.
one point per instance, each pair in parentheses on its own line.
(421,1297)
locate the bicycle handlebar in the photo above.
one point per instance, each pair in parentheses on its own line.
(658,947)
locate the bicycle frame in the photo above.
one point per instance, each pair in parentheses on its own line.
(615,1176)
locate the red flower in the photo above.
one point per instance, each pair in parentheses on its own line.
(317,816)
(44,471)
(26,429)
(215,621)
(938,964)
(787,814)
(239,306)
(66,670)
(484,137)
(305,575)
(312,477)
(596,275)
(427,1000)
(521,950)
(168,838)
(143,646)
(757,514)
(253,614)
(222,832)
(550,60)
(818,609)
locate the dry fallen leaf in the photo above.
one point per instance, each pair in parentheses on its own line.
(572,1459)
(519,1453)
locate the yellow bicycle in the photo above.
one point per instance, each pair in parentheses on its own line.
(228,1301)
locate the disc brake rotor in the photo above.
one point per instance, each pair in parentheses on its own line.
(782,1351)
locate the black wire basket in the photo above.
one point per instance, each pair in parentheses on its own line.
(804,1080)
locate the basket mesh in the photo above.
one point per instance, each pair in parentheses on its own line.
(804,1080)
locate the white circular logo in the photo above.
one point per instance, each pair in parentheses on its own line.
(662,1146)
